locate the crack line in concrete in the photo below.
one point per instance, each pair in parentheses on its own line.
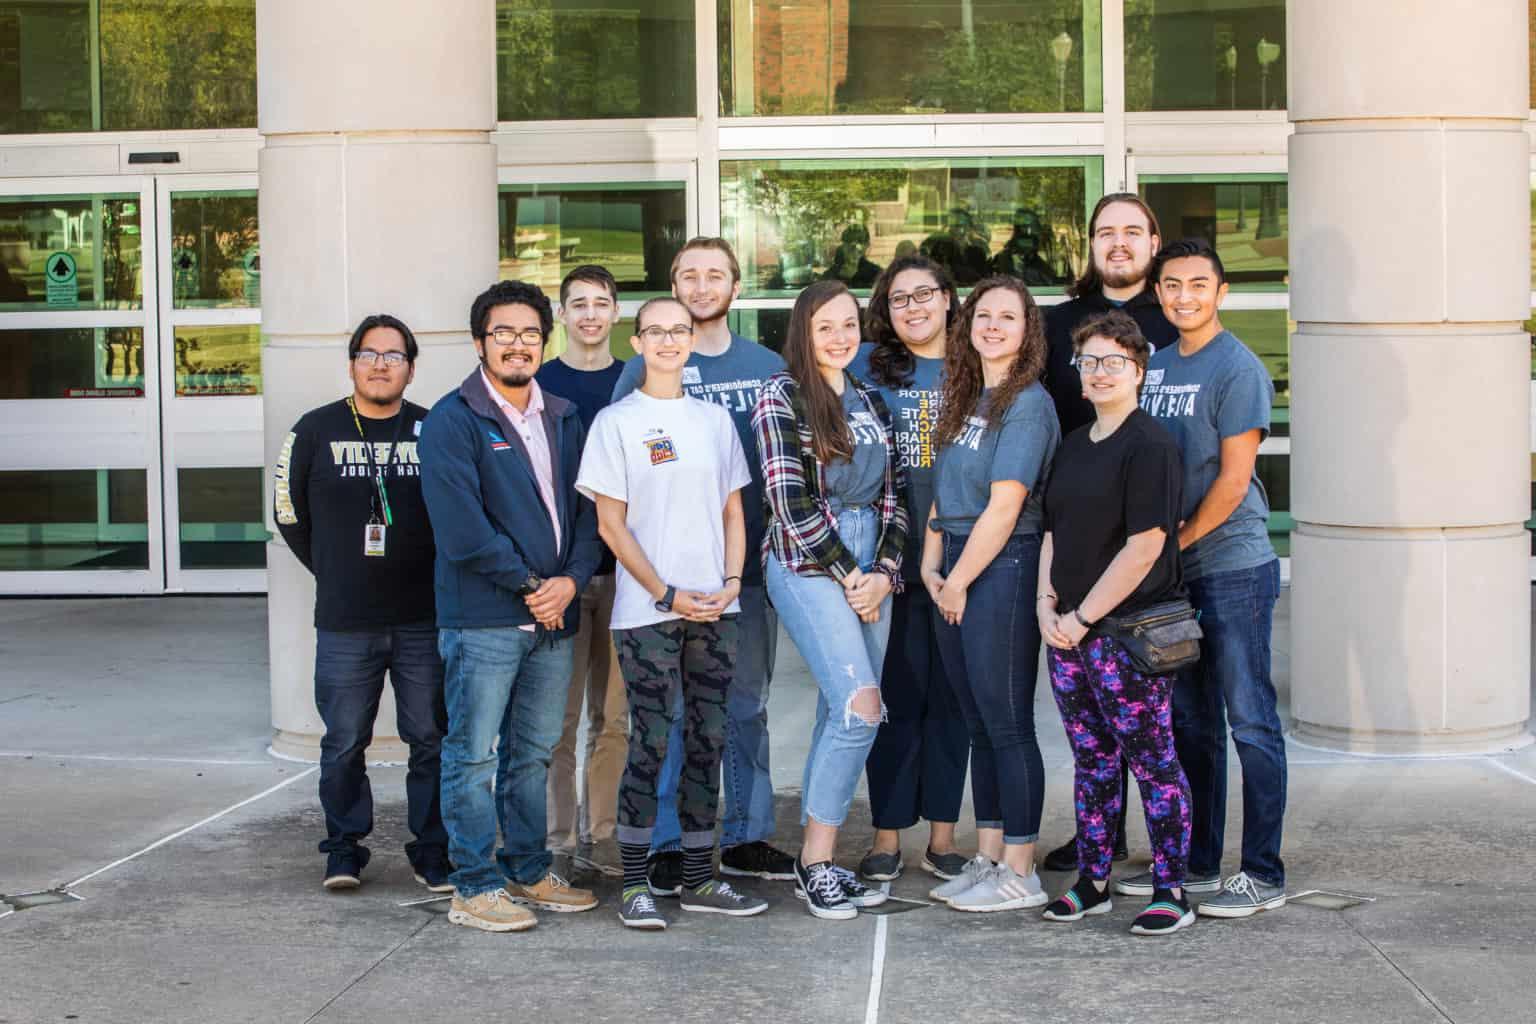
(1428,999)
(877,965)
(193,827)
(12,700)
(369,970)
(1501,766)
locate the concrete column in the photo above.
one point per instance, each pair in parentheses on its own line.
(1410,276)
(378,194)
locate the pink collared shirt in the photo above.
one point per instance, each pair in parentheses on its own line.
(529,425)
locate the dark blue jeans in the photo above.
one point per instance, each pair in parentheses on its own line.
(917,766)
(349,680)
(1231,684)
(993,660)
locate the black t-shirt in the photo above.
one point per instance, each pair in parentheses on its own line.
(324,496)
(1061,377)
(592,392)
(1100,494)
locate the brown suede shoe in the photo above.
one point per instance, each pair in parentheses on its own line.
(552,893)
(493,911)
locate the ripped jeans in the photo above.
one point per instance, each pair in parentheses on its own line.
(844,655)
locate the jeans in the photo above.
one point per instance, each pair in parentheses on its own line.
(349,680)
(993,659)
(917,766)
(583,809)
(845,656)
(1231,683)
(506,698)
(748,786)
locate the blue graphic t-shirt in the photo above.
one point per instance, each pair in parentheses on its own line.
(914,411)
(732,379)
(1221,391)
(1019,448)
(860,479)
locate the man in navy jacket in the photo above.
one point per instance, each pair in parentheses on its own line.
(515,545)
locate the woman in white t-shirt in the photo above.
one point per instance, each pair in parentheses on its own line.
(666,472)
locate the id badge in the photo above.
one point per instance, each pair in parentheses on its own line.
(373,540)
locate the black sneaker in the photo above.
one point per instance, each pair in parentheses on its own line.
(821,888)
(344,868)
(664,873)
(1164,915)
(856,892)
(756,860)
(879,866)
(433,873)
(1082,900)
(1064,857)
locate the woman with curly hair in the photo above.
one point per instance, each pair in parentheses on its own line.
(996,434)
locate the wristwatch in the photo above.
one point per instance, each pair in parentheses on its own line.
(531,584)
(665,604)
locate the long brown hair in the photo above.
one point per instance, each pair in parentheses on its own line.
(1092,282)
(891,363)
(823,407)
(962,363)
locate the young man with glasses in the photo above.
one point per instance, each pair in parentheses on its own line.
(729,370)
(515,545)
(347,490)
(582,812)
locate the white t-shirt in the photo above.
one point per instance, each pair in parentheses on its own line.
(674,462)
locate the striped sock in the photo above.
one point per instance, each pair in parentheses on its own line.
(698,865)
(633,856)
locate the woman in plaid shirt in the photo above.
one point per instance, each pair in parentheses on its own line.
(833,484)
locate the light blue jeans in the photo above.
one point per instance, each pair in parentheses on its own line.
(844,656)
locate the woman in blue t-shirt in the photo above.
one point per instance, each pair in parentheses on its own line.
(996,433)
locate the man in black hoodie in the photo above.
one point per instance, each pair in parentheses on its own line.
(1122,240)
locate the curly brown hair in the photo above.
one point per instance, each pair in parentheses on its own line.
(962,363)
(891,363)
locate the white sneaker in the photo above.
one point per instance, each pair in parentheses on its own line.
(969,875)
(1002,889)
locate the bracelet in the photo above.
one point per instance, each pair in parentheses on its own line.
(1043,597)
(729,578)
(1077,614)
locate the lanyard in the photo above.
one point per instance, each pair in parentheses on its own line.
(379,471)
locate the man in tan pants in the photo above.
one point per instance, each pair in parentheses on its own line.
(582,813)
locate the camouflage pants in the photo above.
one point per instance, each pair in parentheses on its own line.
(699,658)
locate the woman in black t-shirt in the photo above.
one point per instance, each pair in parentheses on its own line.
(1111,548)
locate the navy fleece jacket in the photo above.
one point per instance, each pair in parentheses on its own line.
(488,519)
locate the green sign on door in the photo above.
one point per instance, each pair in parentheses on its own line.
(63,284)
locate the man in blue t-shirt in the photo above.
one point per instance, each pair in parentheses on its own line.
(1214,396)
(584,813)
(729,370)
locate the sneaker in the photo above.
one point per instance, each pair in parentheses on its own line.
(637,909)
(856,892)
(717,897)
(822,891)
(433,873)
(344,868)
(757,860)
(1164,915)
(552,893)
(1082,900)
(1064,857)
(491,911)
(601,856)
(878,866)
(664,873)
(945,865)
(1243,896)
(971,872)
(1001,889)
(1145,885)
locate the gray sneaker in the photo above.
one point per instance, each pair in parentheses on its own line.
(1144,884)
(878,866)
(1001,888)
(1243,896)
(637,909)
(969,875)
(717,897)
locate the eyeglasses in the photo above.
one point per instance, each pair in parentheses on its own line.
(656,332)
(1114,365)
(531,337)
(368,357)
(919,295)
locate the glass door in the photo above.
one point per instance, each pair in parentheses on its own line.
(80,469)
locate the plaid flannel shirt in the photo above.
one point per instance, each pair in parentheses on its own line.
(802,531)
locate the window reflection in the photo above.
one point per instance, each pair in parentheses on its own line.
(1205,55)
(218,360)
(1246,217)
(215,250)
(221,518)
(70,252)
(45,67)
(71,362)
(74,519)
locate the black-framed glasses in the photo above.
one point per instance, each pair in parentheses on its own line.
(530,337)
(655,332)
(900,300)
(1114,365)
(368,357)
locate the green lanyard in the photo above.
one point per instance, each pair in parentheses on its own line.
(379,471)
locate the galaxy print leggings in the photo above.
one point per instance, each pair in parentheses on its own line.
(1108,708)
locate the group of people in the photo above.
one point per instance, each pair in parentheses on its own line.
(920,491)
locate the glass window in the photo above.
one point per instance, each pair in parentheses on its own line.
(632,228)
(1205,55)
(70,252)
(178,64)
(74,519)
(221,518)
(218,360)
(215,250)
(559,59)
(794,221)
(1245,215)
(767,327)
(1275,474)
(72,362)
(802,57)
(45,66)
(1268,333)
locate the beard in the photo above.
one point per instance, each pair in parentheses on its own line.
(703,313)
(1124,277)
(507,378)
